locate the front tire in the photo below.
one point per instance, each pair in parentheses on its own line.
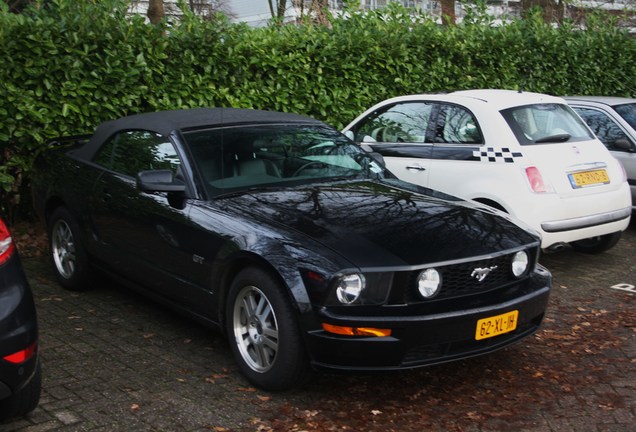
(598,244)
(263,332)
(68,254)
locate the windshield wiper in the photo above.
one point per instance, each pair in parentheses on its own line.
(563,137)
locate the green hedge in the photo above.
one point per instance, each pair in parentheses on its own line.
(70,65)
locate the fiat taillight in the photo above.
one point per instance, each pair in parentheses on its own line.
(535,180)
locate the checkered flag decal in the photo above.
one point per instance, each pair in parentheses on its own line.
(493,154)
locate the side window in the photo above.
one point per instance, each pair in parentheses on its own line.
(628,113)
(606,129)
(404,122)
(133,151)
(457,125)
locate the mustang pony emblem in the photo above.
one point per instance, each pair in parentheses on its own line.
(481,273)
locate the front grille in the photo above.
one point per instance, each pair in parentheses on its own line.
(458,279)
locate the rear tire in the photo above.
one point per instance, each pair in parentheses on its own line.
(598,244)
(263,332)
(68,254)
(25,400)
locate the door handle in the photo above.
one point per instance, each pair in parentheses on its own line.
(106,196)
(416,167)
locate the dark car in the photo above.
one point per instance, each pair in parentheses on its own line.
(20,373)
(281,232)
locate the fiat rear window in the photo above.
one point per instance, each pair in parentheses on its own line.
(546,124)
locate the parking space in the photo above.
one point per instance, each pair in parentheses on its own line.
(114,361)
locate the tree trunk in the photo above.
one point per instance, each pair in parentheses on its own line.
(156,11)
(277,8)
(448,12)
(320,9)
(553,10)
(282,7)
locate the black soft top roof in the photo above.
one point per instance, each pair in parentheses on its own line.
(166,122)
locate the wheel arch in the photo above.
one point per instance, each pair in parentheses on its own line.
(491,203)
(51,205)
(289,279)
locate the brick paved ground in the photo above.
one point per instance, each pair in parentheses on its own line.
(113,361)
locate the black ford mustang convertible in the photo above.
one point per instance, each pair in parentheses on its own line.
(290,239)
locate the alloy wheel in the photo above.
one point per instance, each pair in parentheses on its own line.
(255,329)
(63,249)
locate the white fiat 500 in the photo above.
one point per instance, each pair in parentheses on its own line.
(527,154)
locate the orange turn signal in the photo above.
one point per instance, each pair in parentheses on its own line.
(356,331)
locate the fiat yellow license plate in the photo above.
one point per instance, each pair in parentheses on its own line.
(496,325)
(588,178)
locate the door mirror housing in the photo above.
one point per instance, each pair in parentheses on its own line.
(374,154)
(159,181)
(623,144)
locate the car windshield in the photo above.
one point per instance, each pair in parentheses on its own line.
(546,123)
(628,112)
(240,158)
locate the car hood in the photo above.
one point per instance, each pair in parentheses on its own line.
(374,224)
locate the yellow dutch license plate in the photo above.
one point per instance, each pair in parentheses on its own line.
(496,325)
(588,178)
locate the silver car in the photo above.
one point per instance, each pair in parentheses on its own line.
(613,120)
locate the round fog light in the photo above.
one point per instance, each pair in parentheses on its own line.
(520,263)
(350,288)
(429,283)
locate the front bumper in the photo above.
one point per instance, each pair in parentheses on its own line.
(419,340)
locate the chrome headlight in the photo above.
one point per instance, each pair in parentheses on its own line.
(520,263)
(350,287)
(429,282)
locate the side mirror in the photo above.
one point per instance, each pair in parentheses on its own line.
(369,139)
(159,181)
(374,154)
(349,135)
(623,144)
